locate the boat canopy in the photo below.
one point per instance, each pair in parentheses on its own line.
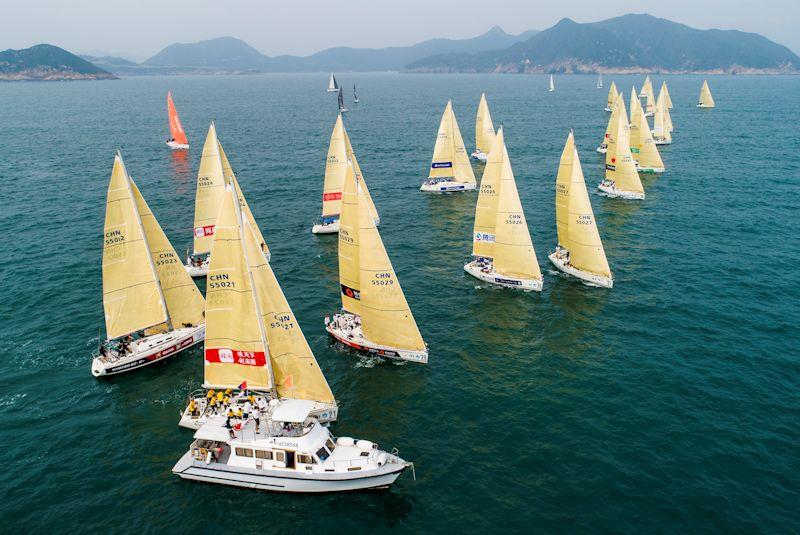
(294,411)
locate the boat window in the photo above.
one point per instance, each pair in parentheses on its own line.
(305,459)
(330,444)
(262,454)
(323,454)
(244,452)
(280,456)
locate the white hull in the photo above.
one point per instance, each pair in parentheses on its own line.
(177,146)
(447,186)
(591,278)
(480,155)
(494,278)
(649,114)
(704,106)
(148,350)
(354,338)
(195,271)
(608,109)
(333,90)
(662,141)
(329,228)
(343,110)
(611,191)
(649,169)
(602,150)
(278,480)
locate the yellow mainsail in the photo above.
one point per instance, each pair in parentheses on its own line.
(706,100)
(577,229)
(236,348)
(513,248)
(620,166)
(349,242)
(335,169)
(643,147)
(646,83)
(483,231)
(132,298)
(210,189)
(660,125)
(612,121)
(450,158)
(664,91)
(484,129)
(612,96)
(296,372)
(362,183)
(635,104)
(185,303)
(227,172)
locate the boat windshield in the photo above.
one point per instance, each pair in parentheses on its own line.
(323,454)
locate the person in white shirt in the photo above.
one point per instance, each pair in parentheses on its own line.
(262,404)
(248,408)
(257,417)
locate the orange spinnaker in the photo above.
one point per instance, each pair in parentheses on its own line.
(175,126)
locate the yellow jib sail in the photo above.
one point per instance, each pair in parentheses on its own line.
(483,231)
(577,229)
(484,129)
(362,183)
(210,188)
(349,263)
(643,146)
(650,99)
(131,295)
(513,249)
(612,96)
(612,121)
(335,169)
(706,100)
(227,172)
(296,372)
(450,158)
(664,91)
(185,303)
(620,166)
(635,104)
(235,347)
(661,129)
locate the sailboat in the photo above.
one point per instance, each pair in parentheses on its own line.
(256,347)
(600,81)
(612,97)
(501,241)
(664,91)
(333,85)
(177,140)
(342,109)
(355,95)
(706,100)
(552,85)
(450,167)
(661,122)
(214,174)
(339,152)
(612,121)
(484,131)
(621,179)
(643,147)
(145,291)
(375,316)
(580,252)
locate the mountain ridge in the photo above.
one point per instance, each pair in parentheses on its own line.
(45,62)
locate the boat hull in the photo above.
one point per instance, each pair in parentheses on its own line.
(591,278)
(151,349)
(277,480)
(649,170)
(602,150)
(177,146)
(356,340)
(611,191)
(480,155)
(704,106)
(447,187)
(330,228)
(608,109)
(198,272)
(502,280)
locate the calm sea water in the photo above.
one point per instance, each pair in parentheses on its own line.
(669,403)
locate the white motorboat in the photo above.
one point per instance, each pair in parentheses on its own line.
(346,328)
(288,451)
(485,272)
(443,185)
(560,259)
(138,353)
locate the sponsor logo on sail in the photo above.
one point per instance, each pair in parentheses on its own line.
(352,293)
(332,196)
(234,356)
(207,230)
(484,237)
(441,165)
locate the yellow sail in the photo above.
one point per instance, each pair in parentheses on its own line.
(236,349)
(483,231)
(612,121)
(620,167)
(513,249)
(668,120)
(660,125)
(131,295)
(646,83)
(349,241)
(643,146)
(635,103)
(185,303)
(335,169)
(577,229)
(664,91)
(295,370)
(450,158)
(706,100)
(363,183)
(227,172)
(650,99)
(612,96)
(210,188)
(484,129)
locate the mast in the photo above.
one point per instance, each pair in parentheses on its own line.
(146,245)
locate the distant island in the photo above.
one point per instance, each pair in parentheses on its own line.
(48,63)
(635,43)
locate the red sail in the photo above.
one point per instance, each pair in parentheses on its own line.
(175,126)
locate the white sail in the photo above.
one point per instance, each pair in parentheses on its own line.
(552,85)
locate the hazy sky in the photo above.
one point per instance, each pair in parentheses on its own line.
(139,28)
